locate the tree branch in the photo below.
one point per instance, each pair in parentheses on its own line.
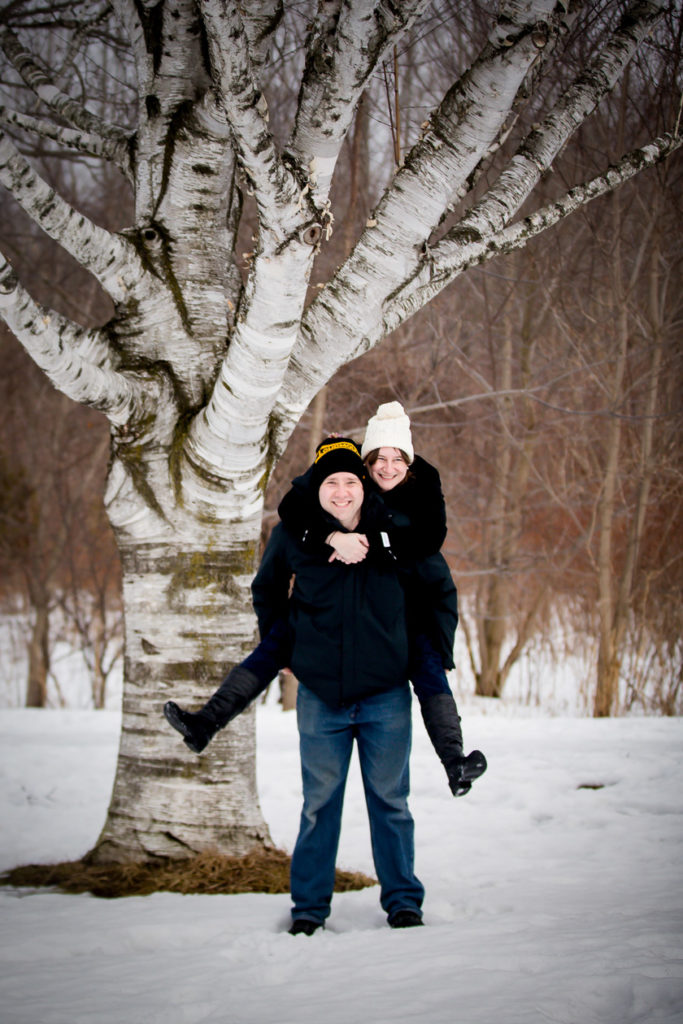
(276,190)
(70,138)
(457,138)
(261,18)
(466,127)
(345,45)
(37,78)
(128,15)
(537,152)
(78,362)
(108,257)
(451,256)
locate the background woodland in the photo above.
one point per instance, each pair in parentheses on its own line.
(545,387)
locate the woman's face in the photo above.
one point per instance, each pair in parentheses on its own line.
(388,469)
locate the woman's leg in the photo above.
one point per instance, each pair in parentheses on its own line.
(325,744)
(426,670)
(239,688)
(441,718)
(383,732)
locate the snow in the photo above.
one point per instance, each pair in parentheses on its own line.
(545,901)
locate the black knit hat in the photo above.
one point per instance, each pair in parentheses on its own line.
(337,455)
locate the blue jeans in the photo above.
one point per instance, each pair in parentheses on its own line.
(271,654)
(426,669)
(381,727)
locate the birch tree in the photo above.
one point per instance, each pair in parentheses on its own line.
(206,366)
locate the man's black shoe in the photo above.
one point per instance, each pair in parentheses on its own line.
(405,919)
(304,926)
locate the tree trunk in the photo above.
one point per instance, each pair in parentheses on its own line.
(289,686)
(317,419)
(188,620)
(608,669)
(38,657)
(606,685)
(99,646)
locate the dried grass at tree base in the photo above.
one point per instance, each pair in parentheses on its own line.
(209,872)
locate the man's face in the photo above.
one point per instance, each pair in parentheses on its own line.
(388,469)
(341,494)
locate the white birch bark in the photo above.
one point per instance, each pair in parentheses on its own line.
(345,44)
(78,362)
(205,368)
(69,138)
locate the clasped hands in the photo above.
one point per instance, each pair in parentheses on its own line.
(349,548)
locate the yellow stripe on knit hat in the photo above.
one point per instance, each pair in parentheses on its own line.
(327,448)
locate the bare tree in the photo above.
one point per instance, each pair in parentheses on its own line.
(207,366)
(48,467)
(88,596)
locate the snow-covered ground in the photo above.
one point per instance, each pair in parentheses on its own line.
(545,901)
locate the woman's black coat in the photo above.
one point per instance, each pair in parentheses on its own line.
(418,512)
(418,529)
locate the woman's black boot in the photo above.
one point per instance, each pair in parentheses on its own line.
(239,688)
(442,721)
(195,728)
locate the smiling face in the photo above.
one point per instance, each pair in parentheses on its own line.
(341,494)
(388,469)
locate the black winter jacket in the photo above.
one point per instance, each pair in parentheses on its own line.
(416,526)
(418,512)
(418,529)
(347,622)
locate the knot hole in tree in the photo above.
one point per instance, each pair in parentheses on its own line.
(312,234)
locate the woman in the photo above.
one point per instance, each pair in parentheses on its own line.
(411,490)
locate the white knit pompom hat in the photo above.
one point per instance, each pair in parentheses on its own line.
(388,428)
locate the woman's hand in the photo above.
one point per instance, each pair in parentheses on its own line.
(349,548)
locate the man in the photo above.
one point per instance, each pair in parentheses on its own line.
(350,655)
